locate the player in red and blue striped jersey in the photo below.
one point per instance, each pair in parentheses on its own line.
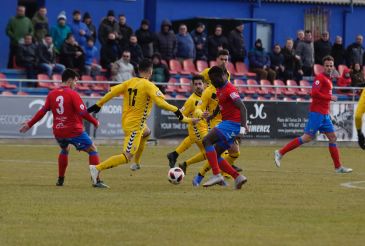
(68,112)
(319,118)
(233,125)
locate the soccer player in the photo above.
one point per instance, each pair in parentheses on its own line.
(221,137)
(360,110)
(319,118)
(68,111)
(209,103)
(139,95)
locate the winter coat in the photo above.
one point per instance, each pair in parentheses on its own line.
(136,53)
(345,79)
(68,54)
(258,58)
(355,54)
(76,27)
(357,78)
(109,53)
(306,52)
(91,54)
(59,34)
(236,46)
(92,30)
(321,49)
(200,39)
(17,27)
(105,28)
(165,43)
(290,62)
(145,40)
(40,25)
(339,54)
(213,43)
(185,46)
(46,54)
(27,54)
(276,60)
(125,33)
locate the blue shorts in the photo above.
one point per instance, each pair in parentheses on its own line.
(318,122)
(227,131)
(81,142)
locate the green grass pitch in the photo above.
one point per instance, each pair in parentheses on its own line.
(301,203)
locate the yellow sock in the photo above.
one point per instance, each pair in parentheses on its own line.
(112,162)
(185,144)
(138,155)
(195,159)
(231,157)
(204,168)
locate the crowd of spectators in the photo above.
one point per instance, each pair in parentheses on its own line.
(37,47)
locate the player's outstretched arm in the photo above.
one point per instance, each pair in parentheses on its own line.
(243,111)
(114,92)
(25,126)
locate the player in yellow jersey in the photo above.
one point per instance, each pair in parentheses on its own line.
(358,120)
(139,95)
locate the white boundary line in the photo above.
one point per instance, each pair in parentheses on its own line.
(354,185)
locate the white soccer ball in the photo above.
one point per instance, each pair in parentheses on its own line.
(175,175)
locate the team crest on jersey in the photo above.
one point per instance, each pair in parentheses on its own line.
(234,95)
(82,107)
(159,93)
(316,82)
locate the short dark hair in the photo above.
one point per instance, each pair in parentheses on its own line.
(69,35)
(69,74)
(223,52)
(145,65)
(308,31)
(48,35)
(215,70)
(197,77)
(327,58)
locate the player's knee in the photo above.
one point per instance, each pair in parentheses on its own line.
(306,138)
(332,139)
(234,149)
(129,156)
(146,133)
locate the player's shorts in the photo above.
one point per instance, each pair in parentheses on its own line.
(81,142)
(318,122)
(132,140)
(227,131)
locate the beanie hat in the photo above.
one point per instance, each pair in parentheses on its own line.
(86,15)
(62,15)
(145,22)
(111,13)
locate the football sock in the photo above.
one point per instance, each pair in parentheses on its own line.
(184,145)
(212,158)
(332,147)
(62,163)
(296,142)
(138,155)
(94,158)
(204,169)
(231,157)
(195,159)
(226,167)
(112,162)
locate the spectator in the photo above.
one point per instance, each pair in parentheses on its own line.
(338,52)
(216,42)
(107,25)
(357,75)
(79,29)
(344,80)
(260,62)
(165,42)
(277,61)
(200,38)
(305,50)
(27,57)
(72,55)
(322,48)
(91,56)
(47,57)
(122,69)
(300,38)
(17,27)
(40,24)
(145,39)
(89,23)
(160,72)
(110,52)
(237,47)
(135,50)
(292,63)
(185,44)
(125,32)
(355,52)
(60,31)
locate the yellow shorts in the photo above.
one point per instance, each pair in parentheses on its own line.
(132,140)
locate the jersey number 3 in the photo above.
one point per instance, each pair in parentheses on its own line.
(132,98)
(60,109)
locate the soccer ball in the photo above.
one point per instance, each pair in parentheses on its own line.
(175,175)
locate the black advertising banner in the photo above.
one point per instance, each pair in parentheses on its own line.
(266,120)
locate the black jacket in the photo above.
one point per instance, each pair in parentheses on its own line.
(236,46)
(46,54)
(321,49)
(110,52)
(213,43)
(125,33)
(166,43)
(105,28)
(145,40)
(68,55)
(290,62)
(27,54)
(355,54)
(136,54)
(339,54)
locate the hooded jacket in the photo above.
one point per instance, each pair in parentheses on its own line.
(166,42)
(40,25)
